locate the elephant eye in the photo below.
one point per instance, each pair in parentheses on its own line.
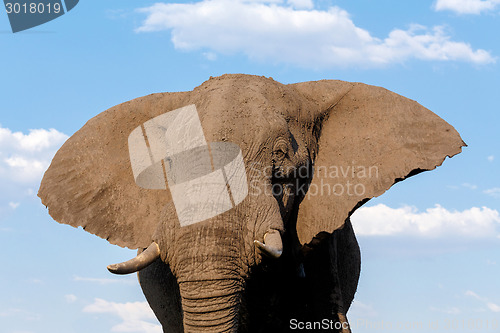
(280,154)
(280,150)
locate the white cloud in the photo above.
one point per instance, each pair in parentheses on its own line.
(490,305)
(23,160)
(301,4)
(299,35)
(104,281)
(24,157)
(474,295)
(494,192)
(136,316)
(35,281)
(491,158)
(361,310)
(36,140)
(493,307)
(21,314)
(381,220)
(466,6)
(14,205)
(210,56)
(70,298)
(470,186)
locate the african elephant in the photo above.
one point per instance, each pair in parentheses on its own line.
(313,153)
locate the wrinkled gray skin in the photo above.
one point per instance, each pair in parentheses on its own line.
(323,286)
(210,276)
(215,265)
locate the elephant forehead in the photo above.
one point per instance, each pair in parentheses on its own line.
(246,95)
(248,115)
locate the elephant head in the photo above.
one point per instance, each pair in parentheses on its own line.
(312,152)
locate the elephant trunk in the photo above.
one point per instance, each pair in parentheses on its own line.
(210,272)
(216,311)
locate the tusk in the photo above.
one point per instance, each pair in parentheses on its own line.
(272,246)
(142,260)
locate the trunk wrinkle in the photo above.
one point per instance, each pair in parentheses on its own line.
(211,305)
(196,311)
(213,296)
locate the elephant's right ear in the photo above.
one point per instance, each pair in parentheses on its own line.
(369,139)
(90,182)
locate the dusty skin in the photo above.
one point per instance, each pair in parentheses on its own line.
(287,251)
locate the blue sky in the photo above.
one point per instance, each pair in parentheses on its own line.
(430,246)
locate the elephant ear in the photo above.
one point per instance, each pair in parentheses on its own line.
(90,181)
(369,139)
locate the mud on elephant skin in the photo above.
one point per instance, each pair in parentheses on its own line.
(312,152)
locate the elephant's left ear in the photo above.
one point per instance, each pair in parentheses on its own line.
(369,139)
